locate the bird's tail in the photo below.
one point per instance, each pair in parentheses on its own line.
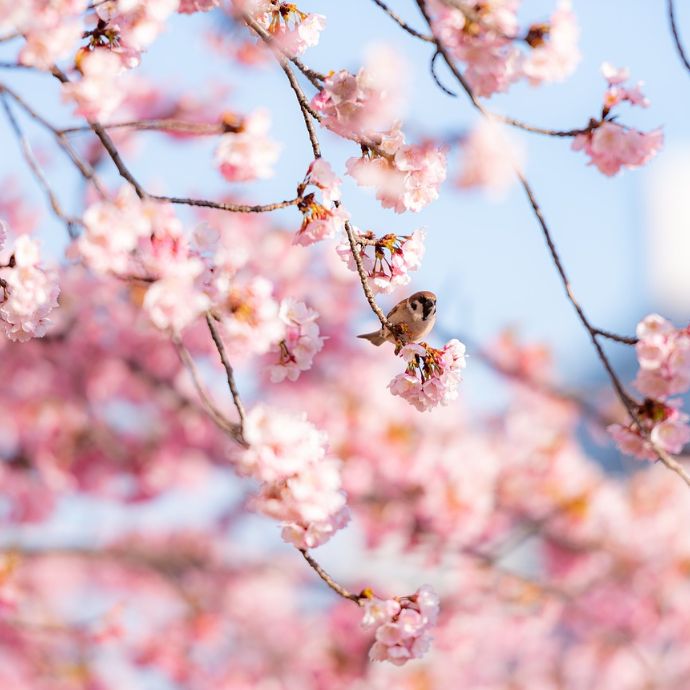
(376,338)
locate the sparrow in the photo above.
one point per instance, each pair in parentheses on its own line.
(415,316)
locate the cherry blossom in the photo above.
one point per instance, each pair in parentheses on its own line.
(610,145)
(432,376)
(555,54)
(665,425)
(97,94)
(248,153)
(664,356)
(407,179)
(292,30)
(489,159)
(301,485)
(29,292)
(402,625)
(393,257)
(296,351)
(320,220)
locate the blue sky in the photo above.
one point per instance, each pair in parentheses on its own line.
(486,260)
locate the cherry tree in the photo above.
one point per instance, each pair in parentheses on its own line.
(190,363)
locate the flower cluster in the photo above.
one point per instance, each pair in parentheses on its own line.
(357,106)
(402,624)
(97,93)
(405,177)
(292,30)
(300,484)
(489,159)
(394,256)
(28,292)
(485,37)
(663,353)
(52,30)
(320,220)
(302,341)
(247,153)
(432,376)
(612,146)
(131,26)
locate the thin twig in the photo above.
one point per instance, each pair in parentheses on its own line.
(184,126)
(307,111)
(624,339)
(404,25)
(338,589)
(215,414)
(107,142)
(629,403)
(229,374)
(84,168)
(385,323)
(234,208)
(676,35)
(70,221)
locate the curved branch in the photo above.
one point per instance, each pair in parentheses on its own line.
(676,35)
(404,25)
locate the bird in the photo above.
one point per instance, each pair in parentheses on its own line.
(415,316)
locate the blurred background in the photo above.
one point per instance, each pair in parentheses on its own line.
(625,241)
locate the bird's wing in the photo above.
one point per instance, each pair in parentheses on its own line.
(396,310)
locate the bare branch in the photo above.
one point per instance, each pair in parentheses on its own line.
(215,414)
(404,25)
(676,35)
(234,208)
(70,221)
(338,589)
(230,376)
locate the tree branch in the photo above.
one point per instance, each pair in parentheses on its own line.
(676,35)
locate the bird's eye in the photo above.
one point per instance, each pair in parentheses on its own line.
(415,304)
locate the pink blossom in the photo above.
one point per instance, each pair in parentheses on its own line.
(664,356)
(174,301)
(191,6)
(325,219)
(292,30)
(362,106)
(481,36)
(138,23)
(112,230)
(490,159)
(402,625)
(301,486)
(46,43)
(29,293)
(432,376)
(614,75)
(611,146)
(296,351)
(407,181)
(554,55)
(665,426)
(388,262)
(248,154)
(97,94)
(249,317)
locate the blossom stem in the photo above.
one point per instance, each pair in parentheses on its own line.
(338,589)
(230,376)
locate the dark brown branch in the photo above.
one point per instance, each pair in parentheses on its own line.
(624,339)
(210,407)
(338,589)
(183,126)
(229,375)
(234,208)
(84,168)
(629,403)
(37,171)
(676,35)
(404,25)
